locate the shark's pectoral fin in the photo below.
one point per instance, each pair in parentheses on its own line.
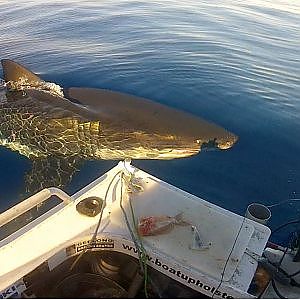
(51,171)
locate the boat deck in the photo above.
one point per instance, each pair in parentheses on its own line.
(233,241)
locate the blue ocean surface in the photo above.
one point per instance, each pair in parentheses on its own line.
(235,63)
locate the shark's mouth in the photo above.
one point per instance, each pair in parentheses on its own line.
(178,153)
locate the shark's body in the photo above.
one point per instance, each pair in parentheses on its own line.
(99,124)
(38,129)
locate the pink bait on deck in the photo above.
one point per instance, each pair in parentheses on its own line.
(153,225)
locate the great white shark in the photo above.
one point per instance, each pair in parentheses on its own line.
(57,129)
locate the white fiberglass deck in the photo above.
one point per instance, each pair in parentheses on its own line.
(216,228)
(230,236)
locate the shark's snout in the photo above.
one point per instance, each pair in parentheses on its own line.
(227,142)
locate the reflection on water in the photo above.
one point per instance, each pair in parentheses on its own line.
(235,63)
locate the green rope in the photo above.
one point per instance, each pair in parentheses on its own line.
(136,239)
(143,251)
(98,224)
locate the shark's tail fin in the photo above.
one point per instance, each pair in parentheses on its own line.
(14,72)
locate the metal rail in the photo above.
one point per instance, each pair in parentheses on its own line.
(32,201)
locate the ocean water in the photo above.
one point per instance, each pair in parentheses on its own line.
(235,63)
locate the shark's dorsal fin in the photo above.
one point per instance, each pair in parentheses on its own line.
(14,72)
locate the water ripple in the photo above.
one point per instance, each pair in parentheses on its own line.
(234,62)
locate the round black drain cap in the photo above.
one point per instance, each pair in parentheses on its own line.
(90,206)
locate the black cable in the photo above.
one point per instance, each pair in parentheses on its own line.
(236,238)
(285,224)
(295,283)
(292,282)
(294,274)
(276,290)
(264,289)
(282,257)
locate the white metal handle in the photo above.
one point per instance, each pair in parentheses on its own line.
(32,201)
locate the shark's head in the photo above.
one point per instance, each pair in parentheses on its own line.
(155,130)
(166,147)
(157,145)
